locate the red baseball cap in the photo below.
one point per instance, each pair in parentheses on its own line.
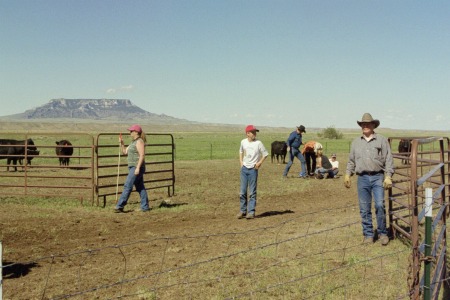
(251,128)
(136,128)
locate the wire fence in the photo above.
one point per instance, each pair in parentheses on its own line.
(298,258)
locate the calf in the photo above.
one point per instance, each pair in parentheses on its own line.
(278,148)
(404,146)
(64,150)
(14,150)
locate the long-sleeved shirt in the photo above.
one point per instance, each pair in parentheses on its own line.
(370,156)
(294,140)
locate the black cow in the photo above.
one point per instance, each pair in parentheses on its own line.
(14,150)
(404,146)
(30,155)
(278,148)
(64,150)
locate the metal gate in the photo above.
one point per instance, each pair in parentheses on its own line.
(111,167)
(425,165)
(45,175)
(96,169)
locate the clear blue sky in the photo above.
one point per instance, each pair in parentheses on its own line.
(268,63)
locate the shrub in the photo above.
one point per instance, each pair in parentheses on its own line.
(331,133)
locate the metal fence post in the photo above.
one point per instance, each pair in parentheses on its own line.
(1,270)
(428,233)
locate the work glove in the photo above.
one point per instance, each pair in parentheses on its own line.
(387,183)
(347,181)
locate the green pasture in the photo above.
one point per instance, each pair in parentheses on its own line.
(190,145)
(225,145)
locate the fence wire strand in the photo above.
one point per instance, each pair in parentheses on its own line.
(335,251)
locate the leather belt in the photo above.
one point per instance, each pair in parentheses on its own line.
(371,173)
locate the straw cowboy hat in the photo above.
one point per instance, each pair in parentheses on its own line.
(367,118)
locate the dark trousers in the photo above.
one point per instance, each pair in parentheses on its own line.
(310,156)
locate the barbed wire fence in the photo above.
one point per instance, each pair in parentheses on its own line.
(300,258)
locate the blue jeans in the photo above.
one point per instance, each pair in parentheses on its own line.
(323,171)
(249,180)
(138,182)
(335,172)
(296,153)
(369,185)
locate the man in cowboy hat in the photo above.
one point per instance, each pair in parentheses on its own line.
(293,143)
(371,159)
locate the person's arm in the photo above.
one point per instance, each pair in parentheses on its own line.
(289,141)
(350,166)
(140,147)
(389,165)
(264,154)
(259,163)
(241,158)
(122,146)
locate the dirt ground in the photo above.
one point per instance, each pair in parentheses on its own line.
(61,249)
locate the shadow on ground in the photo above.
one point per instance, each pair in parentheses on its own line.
(170,205)
(274,213)
(15,270)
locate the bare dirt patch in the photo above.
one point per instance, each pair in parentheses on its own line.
(305,237)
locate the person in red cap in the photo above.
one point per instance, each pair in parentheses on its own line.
(252,154)
(136,169)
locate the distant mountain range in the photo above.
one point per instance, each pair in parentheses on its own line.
(93,109)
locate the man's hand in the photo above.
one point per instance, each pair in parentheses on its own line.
(387,183)
(347,181)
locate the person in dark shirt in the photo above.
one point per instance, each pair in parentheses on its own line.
(324,166)
(293,143)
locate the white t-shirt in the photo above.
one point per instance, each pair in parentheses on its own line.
(335,164)
(252,152)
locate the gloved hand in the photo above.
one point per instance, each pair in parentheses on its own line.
(387,183)
(347,181)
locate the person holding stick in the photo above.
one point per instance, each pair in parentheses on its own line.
(136,168)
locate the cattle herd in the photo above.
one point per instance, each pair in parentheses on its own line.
(14,151)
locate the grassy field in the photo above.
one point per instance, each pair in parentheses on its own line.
(192,141)
(305,242)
